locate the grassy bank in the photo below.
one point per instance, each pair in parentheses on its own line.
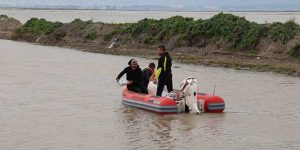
(238,33)
(223,40)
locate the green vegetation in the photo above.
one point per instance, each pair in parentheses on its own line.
(3,16)
(237,32)
(283,31)
(79,24)
(91,35)
(39,26)
(170,26)
(233,29)
(295,51)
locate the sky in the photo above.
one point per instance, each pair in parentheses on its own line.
(184,4)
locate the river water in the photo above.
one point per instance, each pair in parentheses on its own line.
(133,16)
(58,98)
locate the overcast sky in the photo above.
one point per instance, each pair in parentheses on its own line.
(159,2)
(173,3)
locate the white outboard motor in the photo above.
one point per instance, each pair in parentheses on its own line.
(188,91)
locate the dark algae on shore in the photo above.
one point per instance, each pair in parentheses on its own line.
(223,40)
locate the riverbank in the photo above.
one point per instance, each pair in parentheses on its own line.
(224,40)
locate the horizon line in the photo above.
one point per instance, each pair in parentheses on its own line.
(182,10)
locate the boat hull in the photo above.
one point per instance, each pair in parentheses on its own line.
(164,105)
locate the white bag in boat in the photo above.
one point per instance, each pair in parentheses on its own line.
(152,88)
(123,82)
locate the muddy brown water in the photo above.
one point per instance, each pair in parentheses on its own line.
(57,98)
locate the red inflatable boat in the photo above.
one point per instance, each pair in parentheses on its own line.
(164,105)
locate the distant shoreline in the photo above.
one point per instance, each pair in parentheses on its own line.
(189,41)
(229,11)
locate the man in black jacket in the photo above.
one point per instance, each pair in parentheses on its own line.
(164,73)
(134,77)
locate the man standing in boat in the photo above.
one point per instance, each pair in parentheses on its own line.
(163,74)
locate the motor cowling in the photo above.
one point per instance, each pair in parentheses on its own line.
(188,92)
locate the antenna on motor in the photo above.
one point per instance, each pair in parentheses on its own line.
(214,89)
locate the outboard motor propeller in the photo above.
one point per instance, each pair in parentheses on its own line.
(188,91)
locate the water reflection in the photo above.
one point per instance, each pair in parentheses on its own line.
(165,131)
(147,129)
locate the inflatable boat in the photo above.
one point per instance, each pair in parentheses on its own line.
(165,105)
(172,105)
